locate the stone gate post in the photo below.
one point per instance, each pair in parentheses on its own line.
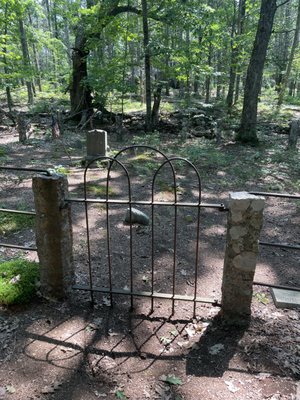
(244,225)
(53,235)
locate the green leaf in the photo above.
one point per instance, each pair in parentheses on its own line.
(171,380)
(262,298)
(121,395)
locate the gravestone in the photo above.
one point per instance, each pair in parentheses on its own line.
(294,134)
(96,144)
(284,298)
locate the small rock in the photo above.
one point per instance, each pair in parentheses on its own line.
(137,217)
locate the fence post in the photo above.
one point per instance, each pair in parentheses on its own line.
(53,235)
(243,228)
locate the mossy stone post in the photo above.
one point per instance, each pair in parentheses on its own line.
(53,235)
(245,220)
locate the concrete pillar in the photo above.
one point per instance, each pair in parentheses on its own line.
(245,220)
(53,235)
(96,143)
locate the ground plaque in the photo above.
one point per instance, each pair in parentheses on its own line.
(284,298)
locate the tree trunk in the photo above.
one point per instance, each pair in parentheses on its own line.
(6,69)
(156,105)
(247,131)
(233,63)
(80,93)
(234,80)
(147,61)
(291,59)
(35,59)
(208,77)
(26,58)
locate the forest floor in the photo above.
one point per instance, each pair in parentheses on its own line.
(72,351)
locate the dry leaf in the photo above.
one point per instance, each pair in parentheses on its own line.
(48,389)
(232,388)
(10,389)
(216,349)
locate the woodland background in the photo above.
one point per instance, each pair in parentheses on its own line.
(113,55)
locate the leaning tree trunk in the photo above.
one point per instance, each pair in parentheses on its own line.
(247,131)
(80,92)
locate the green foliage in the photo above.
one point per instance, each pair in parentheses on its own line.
(152,139)
(262,298)
(12,222)
(121,395)
(100,190)
(59,169)
(293,100)
(171,380)
(49,100)
(18,281)
(3,152)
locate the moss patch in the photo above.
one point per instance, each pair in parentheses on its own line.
(18,281)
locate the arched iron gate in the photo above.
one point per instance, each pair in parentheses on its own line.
(153,204)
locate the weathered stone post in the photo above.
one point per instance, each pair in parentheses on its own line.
(53,235)
(244,225)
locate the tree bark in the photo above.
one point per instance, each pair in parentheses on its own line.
(6,70)
(26,58)
(35,59)
(208,77)
(291,59)
(232,71)
(247,131)
(234,79)
(156,105)
(147,61)
(80,92)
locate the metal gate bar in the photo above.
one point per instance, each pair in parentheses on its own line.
(153,204)
(5,210)
(293,288)
(42,171)
(281,245)
(155,295)
(284,195)
(219,206)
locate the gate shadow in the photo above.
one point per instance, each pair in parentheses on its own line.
(215,349)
